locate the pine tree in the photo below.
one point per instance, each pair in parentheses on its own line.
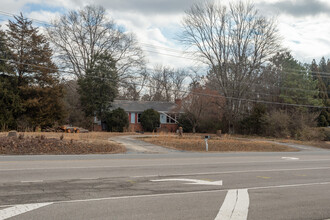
(37,76)
(98,87)
(298,86)
(9,98)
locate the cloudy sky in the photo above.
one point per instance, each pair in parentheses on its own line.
(304,24)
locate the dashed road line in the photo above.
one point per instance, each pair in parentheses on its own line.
(32,181)
(290,158)
(264,177)
(88,178)
(235,205)
(20,209)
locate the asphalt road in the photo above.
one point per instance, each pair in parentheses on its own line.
(170,185)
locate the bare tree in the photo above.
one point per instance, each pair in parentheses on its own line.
(234,42)
(132,88)
(200,104)
(80,36)
(166,84)
(178,79)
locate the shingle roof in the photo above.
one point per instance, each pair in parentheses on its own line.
(140,106)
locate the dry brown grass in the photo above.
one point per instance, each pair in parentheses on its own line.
(319,144)
(73,136)
(225,143)
(51,143)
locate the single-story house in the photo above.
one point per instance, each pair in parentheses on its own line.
(167,110)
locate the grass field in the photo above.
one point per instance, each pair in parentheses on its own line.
(223,144)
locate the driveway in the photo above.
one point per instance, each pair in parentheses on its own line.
(133,145)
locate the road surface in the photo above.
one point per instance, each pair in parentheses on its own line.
(173,185)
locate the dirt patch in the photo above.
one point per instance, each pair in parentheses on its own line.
(43,145)
(191,143)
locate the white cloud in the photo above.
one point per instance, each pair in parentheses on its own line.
(156,22)
(307,37)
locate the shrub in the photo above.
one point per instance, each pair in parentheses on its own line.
(312,134)
(277,124)
(323,120)
(150,120)
(297,123)
(185,123)
(326,132)
(254,123)
(116,120)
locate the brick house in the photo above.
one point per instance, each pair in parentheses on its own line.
(134,109)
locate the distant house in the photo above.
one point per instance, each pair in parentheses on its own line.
(167,110)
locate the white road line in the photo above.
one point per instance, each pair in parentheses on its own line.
(180,193)
(234,171)
(228,206)
(32,181)
(192,181)
(20,209)
(235,205)
(152,165)
(95,178)
(242,206)
(290,158)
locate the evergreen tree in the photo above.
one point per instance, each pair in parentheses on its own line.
(298,87)
(116,120)
(98,87)
(9,99)
(37,76)
(323,80)
(323,120)
(150,120)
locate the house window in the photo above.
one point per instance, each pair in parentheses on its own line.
(132,118)
(139,118)
(170,119)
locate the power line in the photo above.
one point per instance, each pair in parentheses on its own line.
(155,46)
(71,72)
(32,19)
(182,91)
(327,74)
(226,97)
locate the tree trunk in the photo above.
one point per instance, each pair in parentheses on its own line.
(194,129)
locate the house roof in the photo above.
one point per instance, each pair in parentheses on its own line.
(140,106)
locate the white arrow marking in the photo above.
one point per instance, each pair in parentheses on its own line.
(235,206)
(290,158)
(20,209)
(193,181)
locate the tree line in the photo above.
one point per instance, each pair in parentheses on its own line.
(250,76)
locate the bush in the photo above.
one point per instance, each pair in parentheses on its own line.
(297,123)
(185,123)
(312,134)
(150,120)
(326,132)
(323,120)
(254,123)
(210,125)
(276,124)
(116,120)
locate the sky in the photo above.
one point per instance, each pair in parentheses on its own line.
(303,24)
